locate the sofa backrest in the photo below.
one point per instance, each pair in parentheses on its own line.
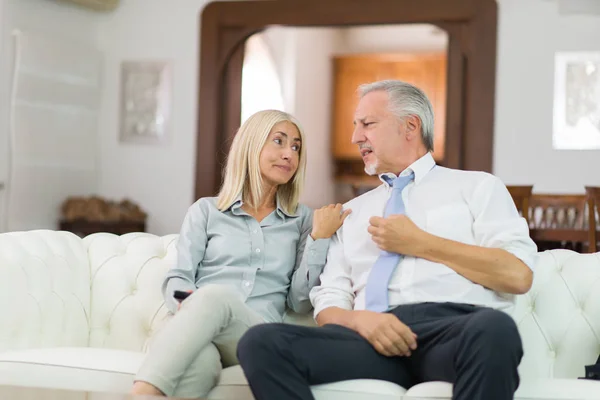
(559,318)
(126,276)
(45,298)
(44,290)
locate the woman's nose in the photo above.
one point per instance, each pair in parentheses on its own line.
(286,154)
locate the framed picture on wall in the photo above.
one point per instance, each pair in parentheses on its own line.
(576,124)
(145,105)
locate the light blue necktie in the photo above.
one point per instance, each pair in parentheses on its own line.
(379,277)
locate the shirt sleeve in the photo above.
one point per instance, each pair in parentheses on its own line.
(310,260)
(335,289)
(190,252)
(497,222)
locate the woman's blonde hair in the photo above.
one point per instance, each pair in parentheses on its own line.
(242,172)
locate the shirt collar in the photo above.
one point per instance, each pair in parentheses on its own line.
(420,168)
(282,212)
(236,208)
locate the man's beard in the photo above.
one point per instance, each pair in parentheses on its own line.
(371,169)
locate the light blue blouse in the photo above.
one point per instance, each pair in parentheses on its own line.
(267,262)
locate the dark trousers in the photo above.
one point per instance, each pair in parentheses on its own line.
(477,349)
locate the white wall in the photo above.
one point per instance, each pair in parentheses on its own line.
(530,32)
(282,42)
(313,107)
(52,20)
(159,178)
(3,117)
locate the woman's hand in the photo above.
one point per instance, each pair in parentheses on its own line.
(179,302)
(327,220)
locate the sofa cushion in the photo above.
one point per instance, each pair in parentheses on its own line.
(359,389)
(293,318)
(71,368)
(531,389)
(233,385)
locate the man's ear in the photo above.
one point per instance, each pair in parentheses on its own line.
(413,127)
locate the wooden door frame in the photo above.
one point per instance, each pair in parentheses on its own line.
(471,27)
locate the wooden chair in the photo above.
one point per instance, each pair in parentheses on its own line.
(558,221)
(593,200)
(521,196)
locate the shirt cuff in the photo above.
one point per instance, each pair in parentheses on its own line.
(174,284)
(327,303)
(323,297)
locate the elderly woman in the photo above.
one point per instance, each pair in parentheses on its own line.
(243,256)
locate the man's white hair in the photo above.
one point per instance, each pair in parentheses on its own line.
(406,99)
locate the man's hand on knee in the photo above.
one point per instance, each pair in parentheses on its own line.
(386,333)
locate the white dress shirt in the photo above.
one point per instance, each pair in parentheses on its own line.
(465,206)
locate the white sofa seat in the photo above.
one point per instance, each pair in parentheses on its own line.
(73,368)
(79,314)
(233,385)
(529,389)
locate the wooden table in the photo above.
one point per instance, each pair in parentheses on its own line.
(26,393)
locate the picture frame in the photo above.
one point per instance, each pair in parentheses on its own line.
(576,117)
(145,106)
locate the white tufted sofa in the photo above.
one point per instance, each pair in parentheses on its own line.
(78,314)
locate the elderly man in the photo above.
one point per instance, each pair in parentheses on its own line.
(419,280)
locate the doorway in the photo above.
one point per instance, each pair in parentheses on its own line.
(313,73)
(471,63)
